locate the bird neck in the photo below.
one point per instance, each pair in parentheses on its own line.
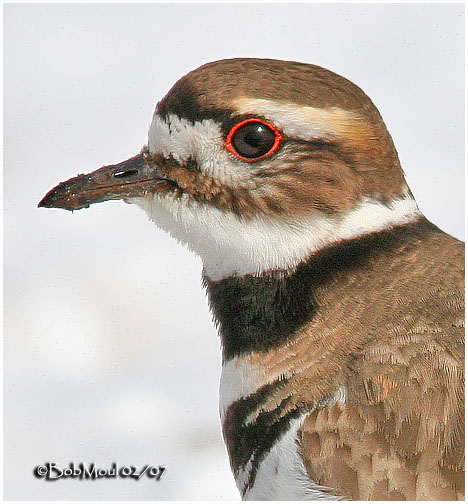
(258,313)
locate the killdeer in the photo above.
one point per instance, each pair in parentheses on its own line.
(339,306)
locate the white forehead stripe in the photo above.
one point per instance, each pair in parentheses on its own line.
(229,246)
(182,139)
(201,141)
(300,121)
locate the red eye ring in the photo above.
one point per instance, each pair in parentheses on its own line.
(277,141)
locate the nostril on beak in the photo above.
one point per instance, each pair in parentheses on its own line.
(125,173)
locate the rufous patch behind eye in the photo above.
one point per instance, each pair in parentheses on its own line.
(253,139)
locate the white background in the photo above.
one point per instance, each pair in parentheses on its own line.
(110,351)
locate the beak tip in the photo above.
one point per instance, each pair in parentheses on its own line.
(44,203)
(55,198)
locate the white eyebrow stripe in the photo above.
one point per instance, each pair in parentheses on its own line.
(301,121)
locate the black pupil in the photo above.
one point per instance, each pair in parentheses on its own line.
(253,139)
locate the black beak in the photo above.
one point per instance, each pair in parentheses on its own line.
(136,176)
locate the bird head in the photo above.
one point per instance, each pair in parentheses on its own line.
(256,164)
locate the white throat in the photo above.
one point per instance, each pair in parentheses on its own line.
(230,246)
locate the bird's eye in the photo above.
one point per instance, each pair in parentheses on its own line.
(253,139)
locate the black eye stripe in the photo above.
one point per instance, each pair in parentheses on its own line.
(253,139)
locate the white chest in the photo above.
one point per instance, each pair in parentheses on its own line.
(280,474)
